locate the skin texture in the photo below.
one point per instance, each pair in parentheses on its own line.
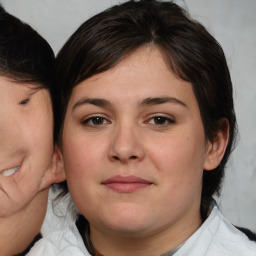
(147,124)
(26,140)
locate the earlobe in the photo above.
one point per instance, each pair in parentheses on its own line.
(55,173)
(216,148)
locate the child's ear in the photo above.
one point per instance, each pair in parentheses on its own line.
(216,148)
(55,173)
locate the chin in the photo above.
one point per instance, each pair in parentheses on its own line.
(127,222)
(128,229)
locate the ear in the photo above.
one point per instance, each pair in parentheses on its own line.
(55,172)
(216,149)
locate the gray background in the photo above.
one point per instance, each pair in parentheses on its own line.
(232,22)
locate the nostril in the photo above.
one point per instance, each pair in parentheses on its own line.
(117,158)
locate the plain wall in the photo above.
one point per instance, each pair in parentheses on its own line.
(232,23)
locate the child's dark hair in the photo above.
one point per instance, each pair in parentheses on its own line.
(25,56)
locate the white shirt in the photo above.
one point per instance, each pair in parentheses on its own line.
(216,236)
(60,234)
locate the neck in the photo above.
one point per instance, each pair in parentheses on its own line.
(163,241)
(18,230)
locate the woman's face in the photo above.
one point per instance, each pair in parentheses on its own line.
(26,144)
(134,148)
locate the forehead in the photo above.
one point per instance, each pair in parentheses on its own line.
(8,85)
(141,75)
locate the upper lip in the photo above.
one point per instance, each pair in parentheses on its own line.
(126,179)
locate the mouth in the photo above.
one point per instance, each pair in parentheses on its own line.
(126,184)
(11,171)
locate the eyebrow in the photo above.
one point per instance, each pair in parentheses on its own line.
(92,101)
(162,100)
(28,88)
(146,102)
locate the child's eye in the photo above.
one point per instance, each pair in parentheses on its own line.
(161,121)
(95,121)
(24,102)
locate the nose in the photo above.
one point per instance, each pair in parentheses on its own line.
(126,145)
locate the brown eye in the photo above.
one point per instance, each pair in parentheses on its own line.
(95,121)
(161,121)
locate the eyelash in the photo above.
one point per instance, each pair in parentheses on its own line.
(89,121)
(100,121)
(166,120)
(24,102)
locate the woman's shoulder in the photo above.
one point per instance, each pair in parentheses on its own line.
(230,239)
(217,236)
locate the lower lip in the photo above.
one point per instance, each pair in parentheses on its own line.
(126,187)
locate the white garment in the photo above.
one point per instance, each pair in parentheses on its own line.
(60,234)
(216,236)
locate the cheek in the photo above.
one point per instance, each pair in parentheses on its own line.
(42,140)
(40,146)
(79,167)
(36,127)
(84,161)
(179,168)
(179,159)
(81,158)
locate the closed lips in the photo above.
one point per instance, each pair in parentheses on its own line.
(126,184)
